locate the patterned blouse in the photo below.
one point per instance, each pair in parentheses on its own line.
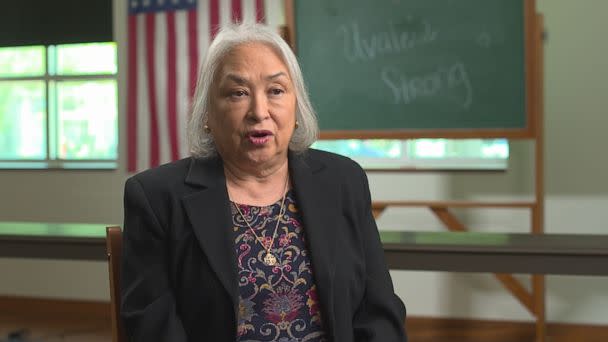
(276,303)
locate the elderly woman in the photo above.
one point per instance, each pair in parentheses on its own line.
(255,237)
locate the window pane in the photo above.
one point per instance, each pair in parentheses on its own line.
(87,119)
(362,148)
(22,61)
(464,149)
(22,120)
(482,154)
(94,58)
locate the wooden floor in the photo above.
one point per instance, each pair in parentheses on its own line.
(49,328)
(46,328)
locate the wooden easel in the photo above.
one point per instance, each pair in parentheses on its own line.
(534,300)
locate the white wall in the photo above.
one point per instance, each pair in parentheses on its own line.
(577,195)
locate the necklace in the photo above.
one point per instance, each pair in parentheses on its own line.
(269,258)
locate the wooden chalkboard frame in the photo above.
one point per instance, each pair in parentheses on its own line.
(532,97)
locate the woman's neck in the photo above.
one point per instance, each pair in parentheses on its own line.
(256,188)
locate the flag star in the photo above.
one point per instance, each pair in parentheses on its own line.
(146,3)
(175,2)
(133,3)
(161,2)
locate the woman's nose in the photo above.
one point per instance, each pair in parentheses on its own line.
(259,108)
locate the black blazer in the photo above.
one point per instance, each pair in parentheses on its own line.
(179,272)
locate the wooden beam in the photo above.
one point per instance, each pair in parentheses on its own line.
(449,220)
(517,290)
(377,211)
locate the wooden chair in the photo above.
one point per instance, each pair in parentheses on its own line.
(114,250)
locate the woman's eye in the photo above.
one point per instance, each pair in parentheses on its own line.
(238,93)
(276,91)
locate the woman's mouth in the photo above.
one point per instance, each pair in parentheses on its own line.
(259,137)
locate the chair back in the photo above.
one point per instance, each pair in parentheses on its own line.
(114,250)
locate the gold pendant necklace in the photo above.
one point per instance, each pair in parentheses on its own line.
(269,258)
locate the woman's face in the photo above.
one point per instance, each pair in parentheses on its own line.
(253,106)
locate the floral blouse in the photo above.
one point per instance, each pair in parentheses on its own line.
(280,302)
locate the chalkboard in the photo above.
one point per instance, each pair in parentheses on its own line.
(436,66)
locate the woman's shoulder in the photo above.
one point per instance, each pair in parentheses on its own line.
(166,171)
(332,162)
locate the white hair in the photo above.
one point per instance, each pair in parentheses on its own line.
(201,142)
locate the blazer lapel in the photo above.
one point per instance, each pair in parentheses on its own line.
(209,213)
(319,205)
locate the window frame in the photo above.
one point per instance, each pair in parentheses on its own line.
(51,80)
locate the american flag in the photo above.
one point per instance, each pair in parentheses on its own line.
(167,39)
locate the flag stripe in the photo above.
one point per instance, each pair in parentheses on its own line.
(274,7)
(161,72)
(225,13)
(182,89)
(203,25)
(214,17)
(260,11)
(150,59)
(171,86)
(248,8)
(143,113)
(192,50)
(237,11)
(132,96)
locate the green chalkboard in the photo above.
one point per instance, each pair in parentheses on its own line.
(414,65)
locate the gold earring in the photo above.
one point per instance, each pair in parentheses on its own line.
(207,129)
(297,124)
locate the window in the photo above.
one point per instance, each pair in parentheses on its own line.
(479,154)
(58,106)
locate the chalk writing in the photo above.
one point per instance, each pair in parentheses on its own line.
(407,89)
(358,47)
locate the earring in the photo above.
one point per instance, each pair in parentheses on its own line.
(207,129)
(297,124)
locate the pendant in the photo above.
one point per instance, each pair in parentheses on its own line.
(270,260)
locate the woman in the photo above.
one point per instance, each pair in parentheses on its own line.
(256,237)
